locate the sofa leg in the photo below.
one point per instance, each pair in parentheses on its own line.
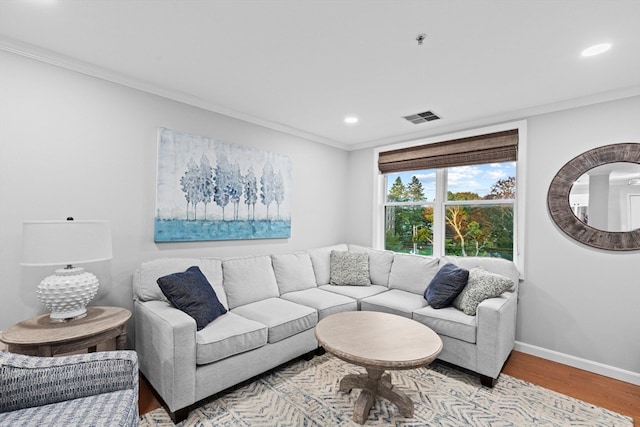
(487,381)
(320,351)
(309,355)
(179,415)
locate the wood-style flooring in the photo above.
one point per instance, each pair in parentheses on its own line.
(615,395)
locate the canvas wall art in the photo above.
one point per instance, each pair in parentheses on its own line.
(214,190)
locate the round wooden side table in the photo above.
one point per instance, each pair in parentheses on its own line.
(378,342)
(40,337)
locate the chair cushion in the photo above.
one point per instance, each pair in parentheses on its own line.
(117,408)
(249,279)
(294,272)
(321,260)
(228,335)
(191,292)
(412,273)
(379,264)
(481,286)
(283,318)
(324,302)
(449,322)
(395,301)
(446,285)
(349,268)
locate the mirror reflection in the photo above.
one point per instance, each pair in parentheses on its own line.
(607,197)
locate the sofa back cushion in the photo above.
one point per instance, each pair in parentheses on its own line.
(294,272)
(499,266)
(412,273)
(321,260)
(145,287)
(379,264)
(249,279)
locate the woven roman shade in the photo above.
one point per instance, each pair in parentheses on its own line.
(475,150)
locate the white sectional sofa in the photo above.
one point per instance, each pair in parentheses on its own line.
(274,303)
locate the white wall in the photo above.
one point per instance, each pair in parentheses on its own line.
(74,145)
(578,305)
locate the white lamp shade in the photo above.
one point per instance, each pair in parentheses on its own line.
(65,242)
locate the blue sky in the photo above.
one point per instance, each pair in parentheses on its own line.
(475,178)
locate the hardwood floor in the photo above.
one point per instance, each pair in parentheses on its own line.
(615,395)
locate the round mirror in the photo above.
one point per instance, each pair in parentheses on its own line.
(607,197)
(601,209)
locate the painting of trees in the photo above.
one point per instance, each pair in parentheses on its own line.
(225,175)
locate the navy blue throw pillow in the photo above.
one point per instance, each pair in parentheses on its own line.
(448,282)
(192,293)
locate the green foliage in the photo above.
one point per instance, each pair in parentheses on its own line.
(397,192)
(470,230)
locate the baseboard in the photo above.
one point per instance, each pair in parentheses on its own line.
(577,362)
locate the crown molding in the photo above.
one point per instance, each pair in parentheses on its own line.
(49,57)
(442,129)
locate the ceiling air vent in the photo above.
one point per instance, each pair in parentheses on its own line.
(427,116)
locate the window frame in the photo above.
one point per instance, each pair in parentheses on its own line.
(380,196)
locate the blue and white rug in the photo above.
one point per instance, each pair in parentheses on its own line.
(305,393)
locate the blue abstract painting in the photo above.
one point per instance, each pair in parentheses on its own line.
(214,190)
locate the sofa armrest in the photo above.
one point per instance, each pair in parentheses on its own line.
(29,381)
(496,332)
(166,345)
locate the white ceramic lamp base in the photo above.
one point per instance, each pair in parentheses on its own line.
(67,293)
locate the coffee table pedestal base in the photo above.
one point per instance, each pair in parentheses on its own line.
(374,383)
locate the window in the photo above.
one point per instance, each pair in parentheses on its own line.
(465,205)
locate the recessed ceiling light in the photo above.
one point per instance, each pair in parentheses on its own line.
(596,49)
(351,120)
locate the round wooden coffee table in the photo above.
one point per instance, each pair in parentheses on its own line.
(39,337)
(378,342)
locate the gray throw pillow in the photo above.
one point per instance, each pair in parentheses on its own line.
(480,286)
(349,268)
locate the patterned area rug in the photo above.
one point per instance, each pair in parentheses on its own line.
(305,393)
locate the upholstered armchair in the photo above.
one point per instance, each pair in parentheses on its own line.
(93,389)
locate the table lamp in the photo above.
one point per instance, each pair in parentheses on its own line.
(55,243)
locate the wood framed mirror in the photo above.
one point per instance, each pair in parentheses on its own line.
(579,221)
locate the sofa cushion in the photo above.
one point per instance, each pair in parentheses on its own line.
(355,292)
(481,286)
(283,318)
(379,264)
(294,272)
(145,287)
(191,292)
(249,279)
(228,335)
(493,265)
(412,273)
(321,260)
(324,302)
(446,285)
(395,301)
(349,268)
(449,322)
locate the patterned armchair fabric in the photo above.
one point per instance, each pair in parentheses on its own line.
(94,389)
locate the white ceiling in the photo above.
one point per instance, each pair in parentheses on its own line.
(301,66)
